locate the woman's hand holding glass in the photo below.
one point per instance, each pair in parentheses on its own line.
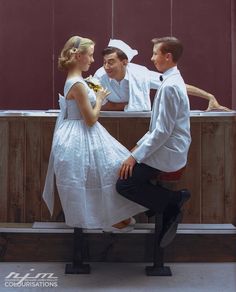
(102,93)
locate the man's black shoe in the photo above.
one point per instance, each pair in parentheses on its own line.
(171,221)
(184,197)
(170,229)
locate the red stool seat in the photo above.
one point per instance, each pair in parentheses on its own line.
(171,176)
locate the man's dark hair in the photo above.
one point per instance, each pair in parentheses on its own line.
(170,45)
(110,50)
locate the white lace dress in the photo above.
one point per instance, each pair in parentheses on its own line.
(86,161)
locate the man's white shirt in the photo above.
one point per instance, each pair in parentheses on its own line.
(134,88)
(121,90)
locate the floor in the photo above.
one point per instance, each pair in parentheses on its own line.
(118,277)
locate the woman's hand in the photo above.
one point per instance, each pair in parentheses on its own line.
(127,166)
(102,93)
(90,114)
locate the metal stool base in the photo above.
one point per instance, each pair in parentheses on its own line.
(77,269)
(158,271)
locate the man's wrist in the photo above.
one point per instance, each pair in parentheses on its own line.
(133,156)
(211,97)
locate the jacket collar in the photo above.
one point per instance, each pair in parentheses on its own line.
(172,71)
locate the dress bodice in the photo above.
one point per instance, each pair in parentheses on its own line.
(73,111)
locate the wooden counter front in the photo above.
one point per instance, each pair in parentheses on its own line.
(210,173)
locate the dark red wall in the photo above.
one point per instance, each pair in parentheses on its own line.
(32,33)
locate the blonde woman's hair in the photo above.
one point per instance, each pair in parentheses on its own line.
(74,45)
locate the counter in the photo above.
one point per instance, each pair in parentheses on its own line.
(113,114)
(210,174)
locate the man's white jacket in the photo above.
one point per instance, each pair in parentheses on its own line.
(165,146)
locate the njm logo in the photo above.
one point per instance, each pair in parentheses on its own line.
(15,280)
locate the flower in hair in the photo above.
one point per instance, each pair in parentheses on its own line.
(73,50)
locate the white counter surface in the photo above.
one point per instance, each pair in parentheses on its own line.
(109,114)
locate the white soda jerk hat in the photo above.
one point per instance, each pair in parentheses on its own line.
(130,53)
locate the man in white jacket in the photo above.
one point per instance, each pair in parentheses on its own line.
(164,148)
(129,84)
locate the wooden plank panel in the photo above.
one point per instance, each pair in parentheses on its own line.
(132,129)
(213,176)
(16,170)
(4,138)
(191,179)
(33,171)
(111,125)
(212,153)
(230,170)
(47,129)
(128,131)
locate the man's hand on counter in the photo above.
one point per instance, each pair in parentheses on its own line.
(214,105)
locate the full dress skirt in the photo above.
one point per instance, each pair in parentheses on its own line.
(86,164)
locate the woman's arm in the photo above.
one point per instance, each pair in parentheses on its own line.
(89,113)
(213,103)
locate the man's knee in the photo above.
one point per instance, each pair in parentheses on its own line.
(124,186)
(120,186)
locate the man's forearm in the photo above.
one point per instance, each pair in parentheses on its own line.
(195,91)
(113,106)
(213,104)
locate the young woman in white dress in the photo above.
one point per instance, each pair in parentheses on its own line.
(84,156)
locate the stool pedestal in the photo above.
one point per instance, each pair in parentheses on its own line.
(158,268)
(77,266)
